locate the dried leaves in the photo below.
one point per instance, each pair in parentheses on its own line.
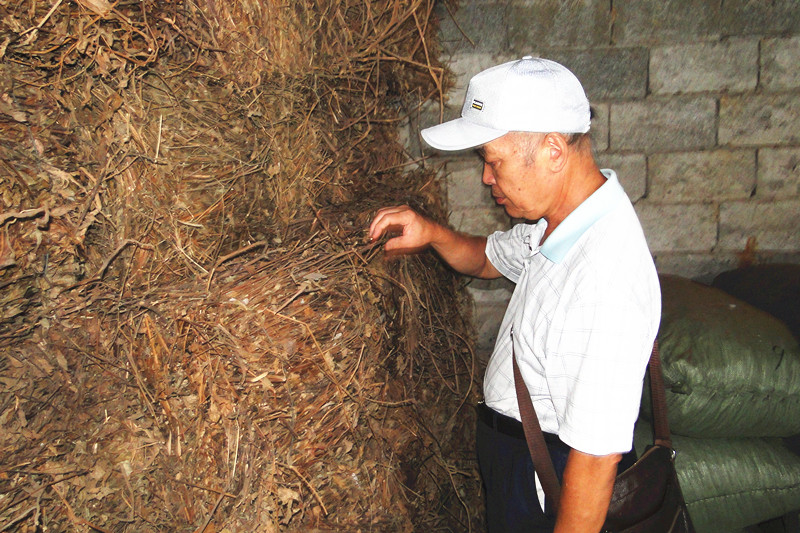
(195,336)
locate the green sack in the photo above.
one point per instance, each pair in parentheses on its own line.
(729,484)
(730,370)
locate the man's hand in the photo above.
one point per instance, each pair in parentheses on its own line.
(586,492)
(416,231)
(464,253)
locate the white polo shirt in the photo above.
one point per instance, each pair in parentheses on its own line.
(585,312)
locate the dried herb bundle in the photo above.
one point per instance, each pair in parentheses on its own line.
(195,335)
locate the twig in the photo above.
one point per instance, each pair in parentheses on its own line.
(158,142)
(304,287)
(455,489)
(46,17)
(91,197)
(100,273)
(73,517)
(437,80)
(21,517)
(201,45)
(307,484)
(211,514)
(209,489)
(454,21)
(231,255)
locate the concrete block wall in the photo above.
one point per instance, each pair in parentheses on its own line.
(697,108)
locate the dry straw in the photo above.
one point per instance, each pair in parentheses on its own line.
(195,335)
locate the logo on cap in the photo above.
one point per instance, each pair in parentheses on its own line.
(477,104)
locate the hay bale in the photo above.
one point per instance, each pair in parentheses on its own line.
(195,335)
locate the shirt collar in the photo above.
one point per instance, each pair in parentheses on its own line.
(602,201)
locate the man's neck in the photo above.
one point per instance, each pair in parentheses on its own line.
(581,179)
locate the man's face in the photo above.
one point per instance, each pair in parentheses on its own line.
(514,168)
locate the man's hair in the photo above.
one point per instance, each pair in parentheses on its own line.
(528,142)
(576,138)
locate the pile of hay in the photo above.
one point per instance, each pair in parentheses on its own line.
(194,333)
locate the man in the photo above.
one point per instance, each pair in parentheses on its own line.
(586,306)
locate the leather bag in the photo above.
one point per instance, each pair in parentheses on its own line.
(647,497)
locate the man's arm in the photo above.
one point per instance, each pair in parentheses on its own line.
(465,253)
(586,492)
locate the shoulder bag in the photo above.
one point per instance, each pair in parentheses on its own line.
(647,497)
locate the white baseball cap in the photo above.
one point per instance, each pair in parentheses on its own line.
(529,94)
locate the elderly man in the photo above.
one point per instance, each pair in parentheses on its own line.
(586,306)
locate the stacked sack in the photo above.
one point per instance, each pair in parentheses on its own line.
(732,378)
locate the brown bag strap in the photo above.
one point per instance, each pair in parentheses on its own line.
(658,397)
(542,463)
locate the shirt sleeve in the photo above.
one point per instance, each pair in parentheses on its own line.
(507,250)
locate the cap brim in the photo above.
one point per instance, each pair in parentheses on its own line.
(459,134)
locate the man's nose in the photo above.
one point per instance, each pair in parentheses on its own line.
(488,176)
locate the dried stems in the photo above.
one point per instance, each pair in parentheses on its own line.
(187,299)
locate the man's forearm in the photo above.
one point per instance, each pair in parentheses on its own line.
(465,253)
(586,492)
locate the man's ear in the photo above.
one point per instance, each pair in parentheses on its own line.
(557,150)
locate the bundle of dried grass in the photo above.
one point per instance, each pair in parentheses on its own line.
(195,335)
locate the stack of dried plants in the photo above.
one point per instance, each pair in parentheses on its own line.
(195,335)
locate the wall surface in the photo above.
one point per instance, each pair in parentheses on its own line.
(697,108)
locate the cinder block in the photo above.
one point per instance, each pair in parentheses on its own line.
(428,115)
(607,73)
(773,225)
(480,220)
(419,116)
(779,63)
(699,267)
(487,319)
(778,173)
(408,136)
(662,125)
(760,17)
(464,66)
(431,113)
(762,119)
(575,23)
(678,227)
(478,26)
(631,171)
(599,127)
(464,186)
(490,299)
(665,22)
(486,290)
(731,65)
(702,176)
(705,267)
(496,292)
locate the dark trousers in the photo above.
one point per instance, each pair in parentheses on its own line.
(508,475)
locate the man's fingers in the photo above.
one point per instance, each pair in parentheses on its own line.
(385,218)
(407,229)
(376,227)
